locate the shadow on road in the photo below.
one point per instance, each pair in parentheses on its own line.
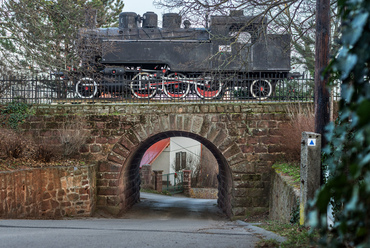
(174,207)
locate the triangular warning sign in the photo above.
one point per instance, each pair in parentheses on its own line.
(312,143)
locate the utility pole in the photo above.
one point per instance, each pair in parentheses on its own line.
(322,105)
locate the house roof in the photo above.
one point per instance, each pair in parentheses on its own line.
(154,151)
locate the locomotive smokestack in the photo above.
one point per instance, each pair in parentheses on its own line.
(150,20)
(90,18)
(128,20)
(236,13)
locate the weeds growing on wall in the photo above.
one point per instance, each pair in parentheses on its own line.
(72,136)
(14,114)
(12,144)
(46,151)
(290,170)
(302,118)
(18,145)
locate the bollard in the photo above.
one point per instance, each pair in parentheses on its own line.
(310,170)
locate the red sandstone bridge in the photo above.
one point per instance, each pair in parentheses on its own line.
(243,137)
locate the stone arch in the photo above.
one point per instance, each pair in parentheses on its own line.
(121,168)
(130,172)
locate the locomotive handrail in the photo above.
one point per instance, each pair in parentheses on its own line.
(181,41)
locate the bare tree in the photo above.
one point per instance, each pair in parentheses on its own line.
(296,17)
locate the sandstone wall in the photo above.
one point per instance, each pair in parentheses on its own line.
(203,193)
(48,192)
(283,197)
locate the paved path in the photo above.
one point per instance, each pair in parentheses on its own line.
(157,221)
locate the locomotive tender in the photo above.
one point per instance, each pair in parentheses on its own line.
(180,60)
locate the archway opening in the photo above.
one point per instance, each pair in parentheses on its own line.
(131,173)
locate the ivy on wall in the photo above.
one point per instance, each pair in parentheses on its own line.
(14,114)
(348,154)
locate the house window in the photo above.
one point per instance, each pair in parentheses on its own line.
(180,160)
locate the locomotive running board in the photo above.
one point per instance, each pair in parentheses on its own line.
(188,41)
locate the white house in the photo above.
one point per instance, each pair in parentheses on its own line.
(173,154)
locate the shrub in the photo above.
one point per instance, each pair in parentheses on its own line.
(45,151)
(14,114)
(10,144)
(72,136)
(302,118)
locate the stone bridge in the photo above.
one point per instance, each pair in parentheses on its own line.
(243,137)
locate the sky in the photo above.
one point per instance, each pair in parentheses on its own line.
(142,6)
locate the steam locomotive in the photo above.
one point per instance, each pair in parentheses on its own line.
(179,60)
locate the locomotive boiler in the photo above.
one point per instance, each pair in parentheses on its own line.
(177,59)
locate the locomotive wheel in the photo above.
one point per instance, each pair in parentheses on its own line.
(86,88)
(208,88)
(142,85)
(261,89)
(175,86)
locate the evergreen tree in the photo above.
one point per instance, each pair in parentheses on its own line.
(43,33)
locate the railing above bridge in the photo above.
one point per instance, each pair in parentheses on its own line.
(147,88)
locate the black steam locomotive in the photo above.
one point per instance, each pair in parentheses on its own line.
(179,60)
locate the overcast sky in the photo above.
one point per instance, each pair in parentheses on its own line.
(141,6)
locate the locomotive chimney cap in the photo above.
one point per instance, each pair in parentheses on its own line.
(187,24)
(236,13)
(150,20)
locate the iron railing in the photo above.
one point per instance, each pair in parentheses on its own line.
(173,182)
(152,88)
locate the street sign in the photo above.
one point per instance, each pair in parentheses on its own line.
(311,142)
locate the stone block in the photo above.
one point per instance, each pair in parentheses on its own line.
(116,158)
(247,148)
(73,196)
(275,149)
(95,148)
(45,205)
(196,124)
(260,202)
(101,140)
(245,202)
(260,149)
(232,151)
(243,167)
(220,138)
(107,191)
(121,150)
(251,177)
(126,143)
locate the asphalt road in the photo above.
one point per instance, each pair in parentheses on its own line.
(157,221)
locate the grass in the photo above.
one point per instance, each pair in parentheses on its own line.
(289,169)
(297,236)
